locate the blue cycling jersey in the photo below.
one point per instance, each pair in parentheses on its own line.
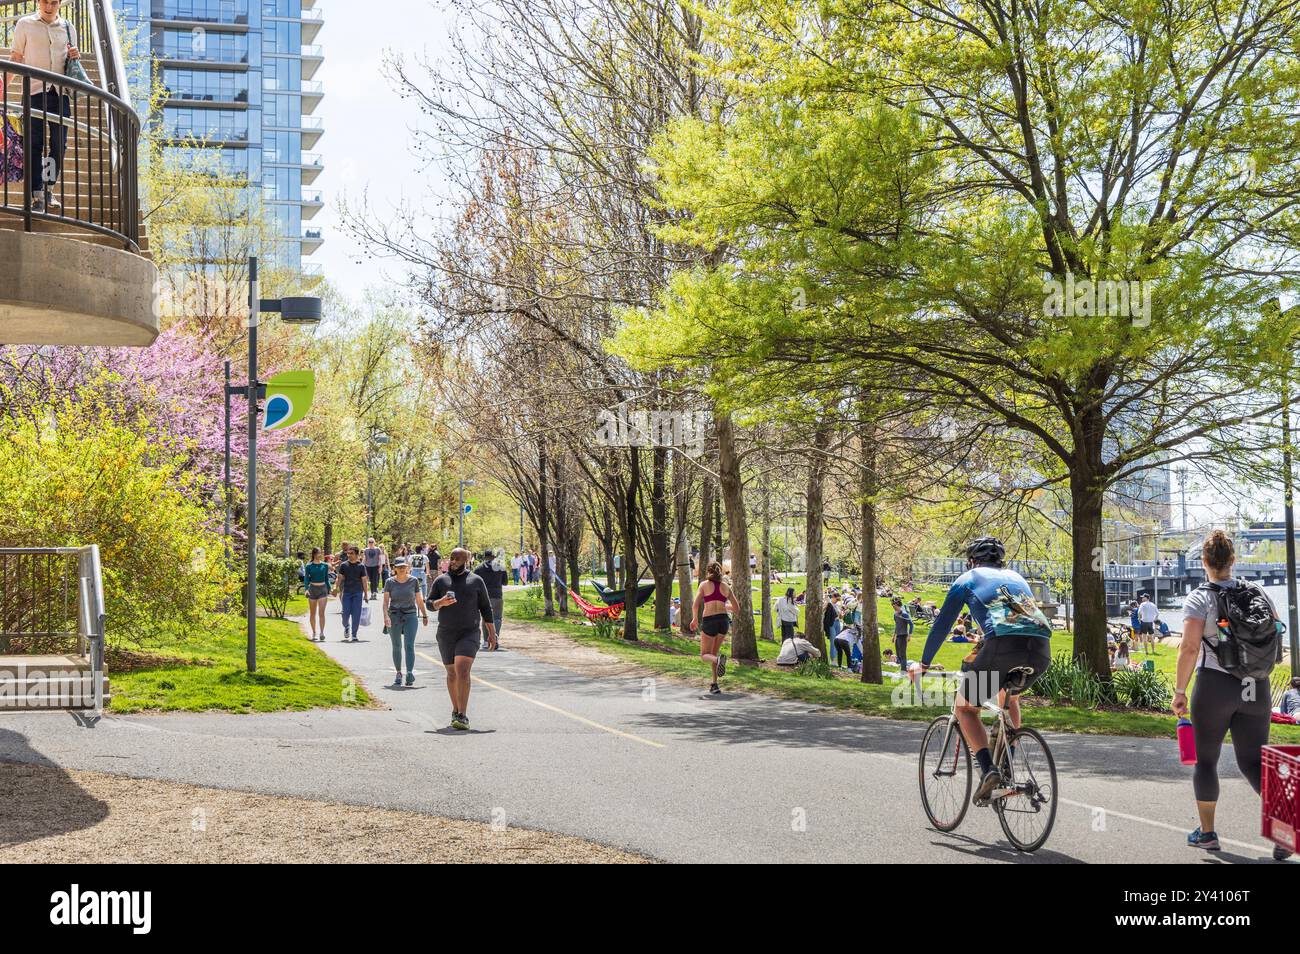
(1000,601)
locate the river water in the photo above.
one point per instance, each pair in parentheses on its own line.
(1173,615)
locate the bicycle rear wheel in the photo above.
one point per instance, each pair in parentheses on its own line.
(1028,813)
(945,775)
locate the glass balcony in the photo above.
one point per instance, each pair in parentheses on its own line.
(312,127)
(312,57)
(312,93)
(312,21)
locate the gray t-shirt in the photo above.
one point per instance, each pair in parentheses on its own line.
(403,596)
(1202,604)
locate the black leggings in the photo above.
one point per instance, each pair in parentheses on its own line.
(1217,707)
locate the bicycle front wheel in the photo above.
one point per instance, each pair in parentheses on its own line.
(945,774)
(1028,811)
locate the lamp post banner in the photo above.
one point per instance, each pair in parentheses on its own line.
(288,398)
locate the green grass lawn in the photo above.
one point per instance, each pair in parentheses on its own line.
(673,655)
(208,671)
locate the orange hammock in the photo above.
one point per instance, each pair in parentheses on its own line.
(594,612)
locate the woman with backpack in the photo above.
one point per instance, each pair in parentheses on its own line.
(1231,640)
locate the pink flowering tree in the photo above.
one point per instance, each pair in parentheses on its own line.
(178,384)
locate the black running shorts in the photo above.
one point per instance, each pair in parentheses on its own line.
(983,678)
(715,625)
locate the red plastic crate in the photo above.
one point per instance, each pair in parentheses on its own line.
(1280,794)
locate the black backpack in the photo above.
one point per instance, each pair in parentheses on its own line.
(1248,640)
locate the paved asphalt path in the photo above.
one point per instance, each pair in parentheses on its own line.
(654,766)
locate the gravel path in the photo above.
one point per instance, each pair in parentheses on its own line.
(122,819)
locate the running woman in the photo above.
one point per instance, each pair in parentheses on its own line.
(1220,701)
(713,600)
(461,599)
(403,602)
(316,574)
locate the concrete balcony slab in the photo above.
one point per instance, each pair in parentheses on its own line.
(56,290)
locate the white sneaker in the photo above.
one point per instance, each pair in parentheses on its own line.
(38,201)
(51,203)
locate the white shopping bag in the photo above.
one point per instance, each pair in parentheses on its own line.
(365,616)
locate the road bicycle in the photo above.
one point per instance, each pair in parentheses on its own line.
(1025,804)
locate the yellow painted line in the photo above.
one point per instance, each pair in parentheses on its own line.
(556,709)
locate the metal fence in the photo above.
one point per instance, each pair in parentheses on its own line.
(97,185)
(52,603)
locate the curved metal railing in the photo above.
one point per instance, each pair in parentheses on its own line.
(97,185)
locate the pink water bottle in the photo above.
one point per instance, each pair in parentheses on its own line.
(1186,742)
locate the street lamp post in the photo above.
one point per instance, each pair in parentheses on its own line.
(460,514)
(304,311)
(303,442)
(377,439)
(226,492)
(1293,623)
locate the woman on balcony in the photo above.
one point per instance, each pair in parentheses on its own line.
(44,40)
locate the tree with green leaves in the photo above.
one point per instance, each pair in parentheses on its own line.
(1065,220)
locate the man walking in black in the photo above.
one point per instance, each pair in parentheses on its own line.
(461,599)
(493,572)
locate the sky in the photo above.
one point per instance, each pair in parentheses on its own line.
(366,145)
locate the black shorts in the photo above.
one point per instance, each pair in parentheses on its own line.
(317,591)
(453,644)
(987,673)
(1146,629)
(715,625)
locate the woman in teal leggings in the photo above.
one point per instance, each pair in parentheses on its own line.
(403,610)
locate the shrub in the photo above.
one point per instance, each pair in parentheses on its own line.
(1054,684)
(1071,680)
(605,628)
(531,603)
(816,667)
(1143,689)
(277,578)
(83,474)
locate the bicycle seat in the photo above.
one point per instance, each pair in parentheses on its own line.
(1018,679)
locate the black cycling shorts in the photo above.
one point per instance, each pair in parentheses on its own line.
(453,643)
(715,625)
(984,676)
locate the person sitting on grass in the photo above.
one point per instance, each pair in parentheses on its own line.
(1290,704)
(1122,658)
(795,650)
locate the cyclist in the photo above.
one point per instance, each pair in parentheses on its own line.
(1016,633)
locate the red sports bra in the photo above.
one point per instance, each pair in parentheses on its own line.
(717,596)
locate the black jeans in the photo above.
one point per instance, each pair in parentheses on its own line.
(843,651)
(54,104)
